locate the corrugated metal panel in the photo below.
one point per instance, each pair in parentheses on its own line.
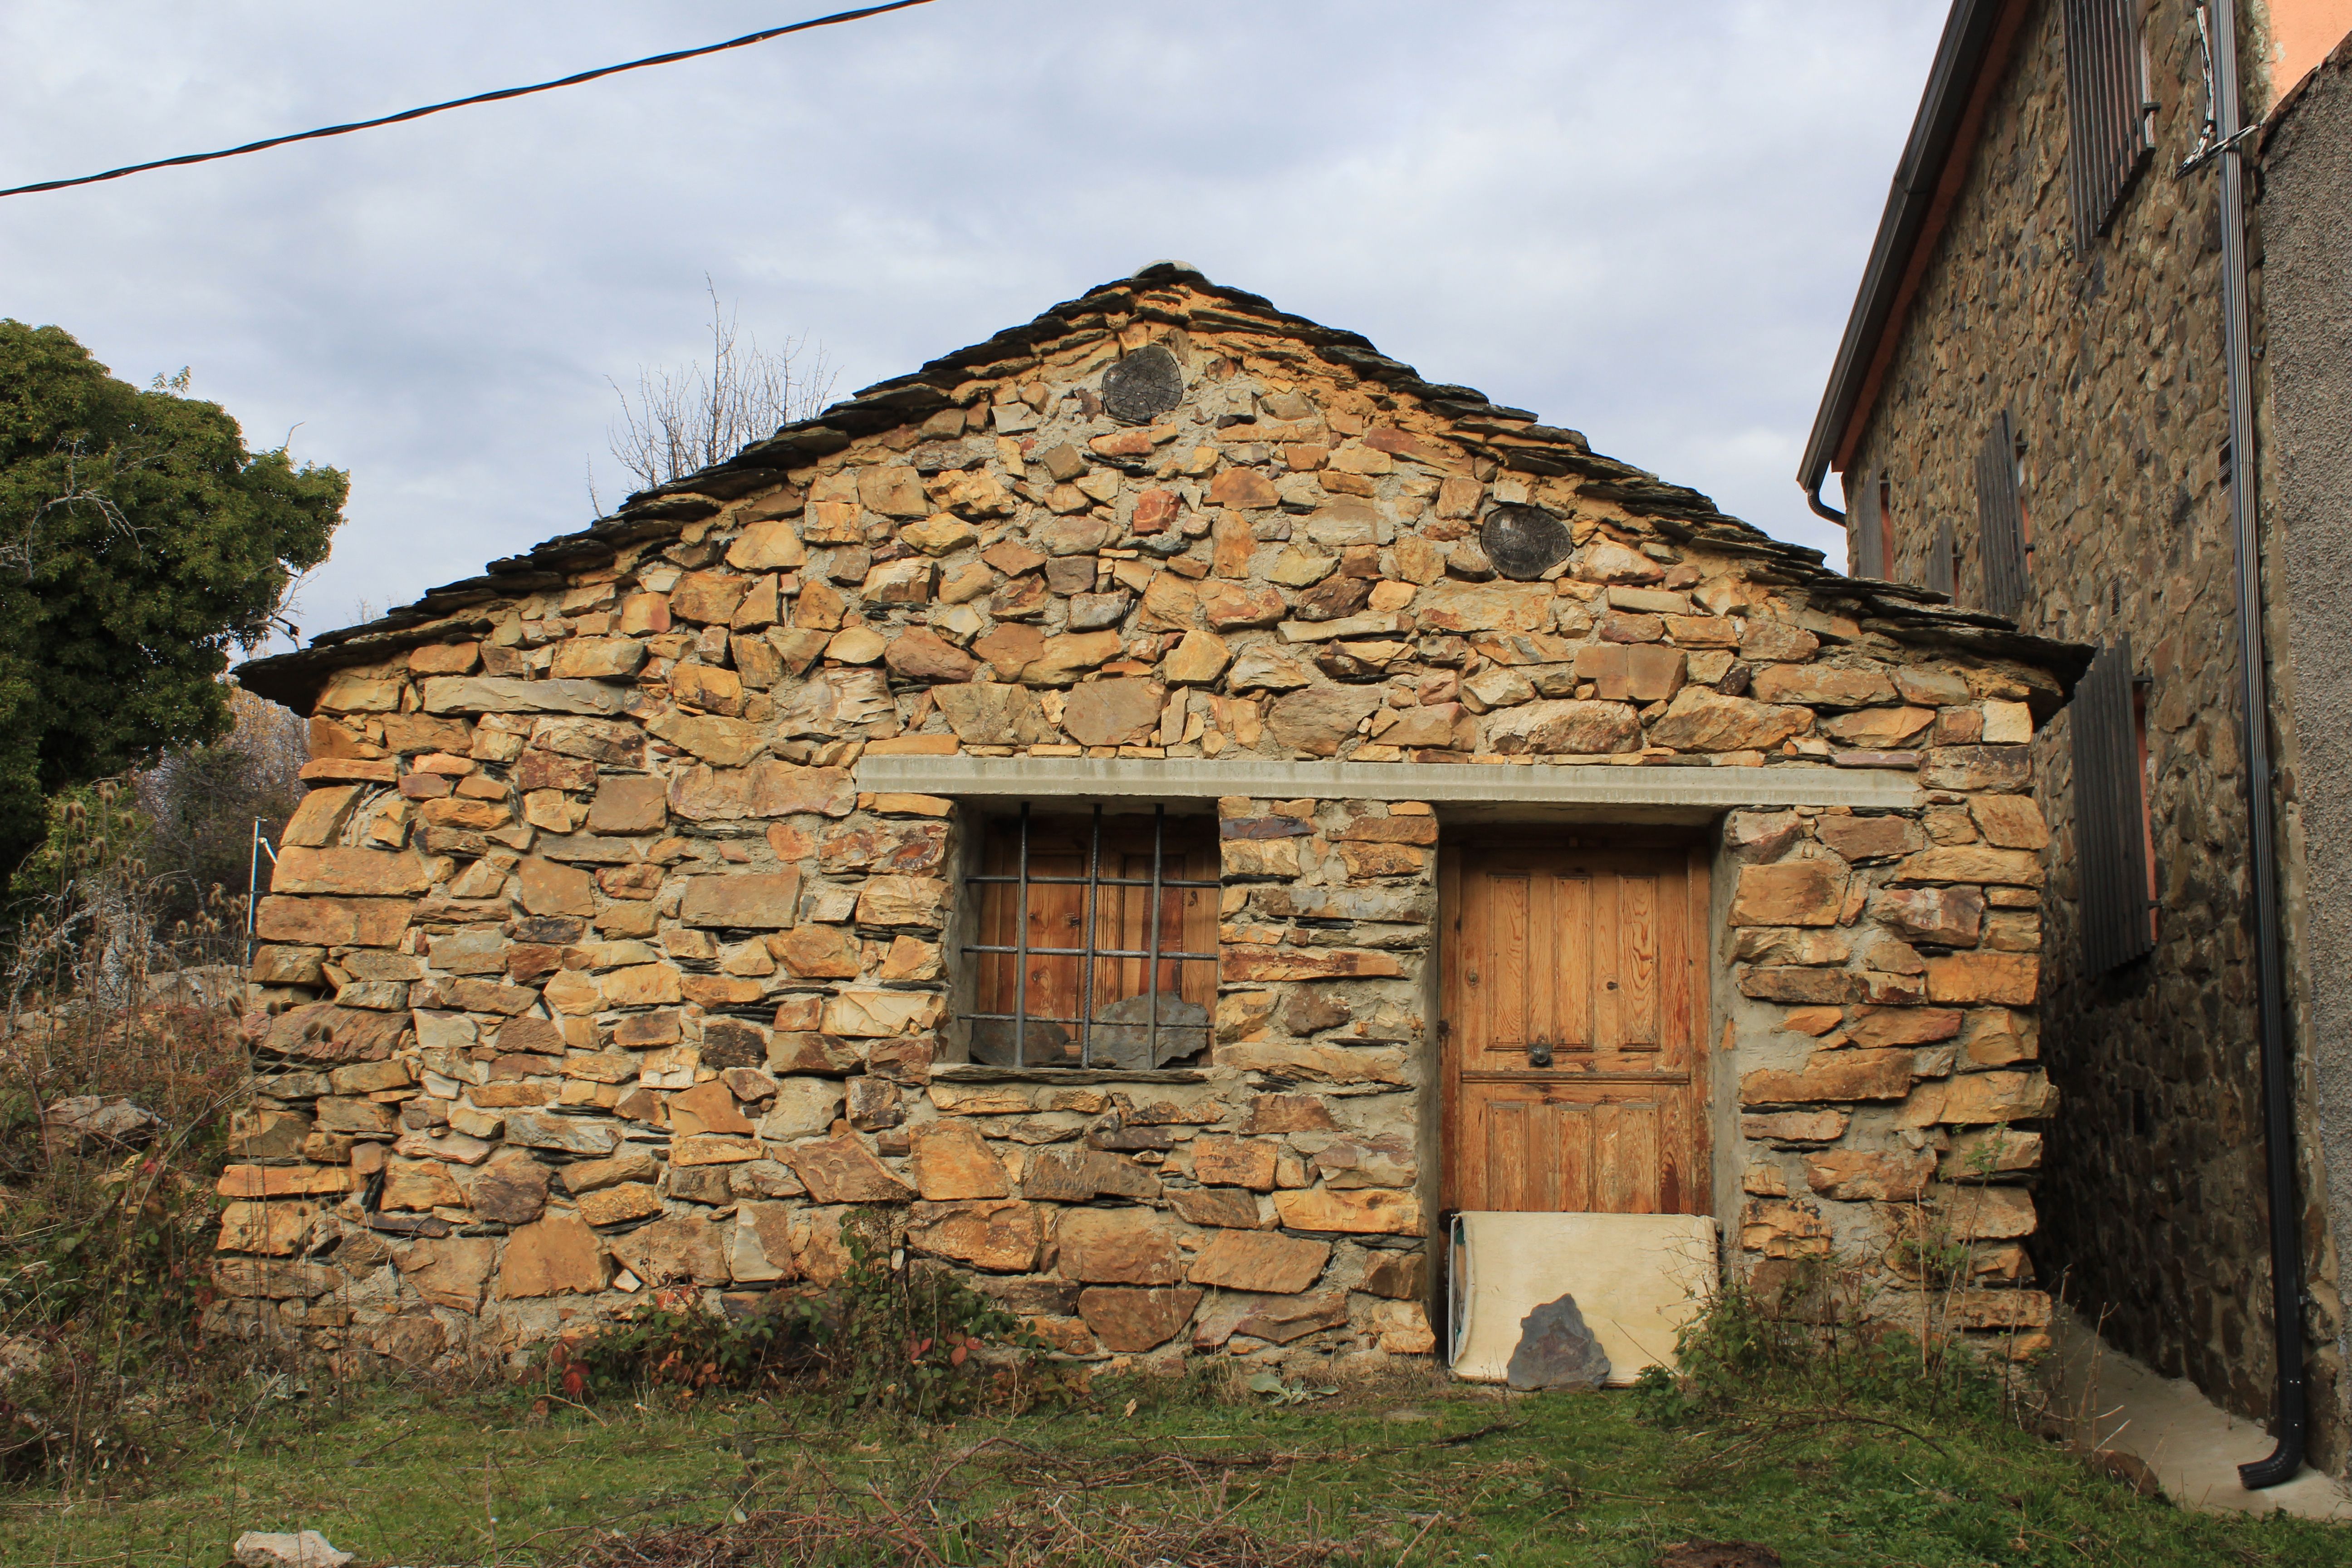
(2110,851)
(2001,512)
(1943,568)
(2105,128)
(1865,540)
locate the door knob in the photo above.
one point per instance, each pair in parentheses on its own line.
(1539,1053)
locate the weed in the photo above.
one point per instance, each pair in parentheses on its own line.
(1812,1343)
(908,1336)
(907,1339)
(675,1341)
(107,1227)
(1277,1392)
(119,1070)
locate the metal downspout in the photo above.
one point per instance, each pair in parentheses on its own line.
(1822,508)
(2278,1102)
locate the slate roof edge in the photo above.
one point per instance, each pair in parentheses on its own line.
(1962,55)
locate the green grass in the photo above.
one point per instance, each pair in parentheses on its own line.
(402,1474)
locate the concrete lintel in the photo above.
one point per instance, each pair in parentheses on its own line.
(1572,784)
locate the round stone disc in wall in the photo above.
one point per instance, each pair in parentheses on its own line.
(1144,385)
(1523,541)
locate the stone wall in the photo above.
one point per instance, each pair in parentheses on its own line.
(2110,363)
(1887,1049)
(592,966)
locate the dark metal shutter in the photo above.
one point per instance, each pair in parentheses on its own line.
(2106,139)
(2002,512)
(2110,852)
(1865,540)
(1942,568)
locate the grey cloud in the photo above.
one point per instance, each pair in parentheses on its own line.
(1645,221)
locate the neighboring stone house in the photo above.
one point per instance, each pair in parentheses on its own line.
(1055,797)
(2031,411)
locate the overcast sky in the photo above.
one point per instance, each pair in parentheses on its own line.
(1644,220)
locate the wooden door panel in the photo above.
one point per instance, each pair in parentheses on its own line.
(1509,907)
(1585,957)
(1569,1147)
(1632,939)
(1537,1155)
(1630,1157)
(1569,965)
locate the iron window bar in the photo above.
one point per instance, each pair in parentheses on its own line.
(1094,881)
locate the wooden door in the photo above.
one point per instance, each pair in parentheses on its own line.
(1574,1009)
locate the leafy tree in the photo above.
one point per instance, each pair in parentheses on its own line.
(139,543)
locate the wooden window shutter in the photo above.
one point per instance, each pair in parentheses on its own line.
(2107,110)
(1943,569)
(2001,512)
(1865,540)
(2110,844)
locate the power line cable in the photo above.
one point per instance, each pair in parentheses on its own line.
(759,37)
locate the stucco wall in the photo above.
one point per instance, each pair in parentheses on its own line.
(2110,364)
(2306,195)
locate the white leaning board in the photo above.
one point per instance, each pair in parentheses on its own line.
(1636,1278)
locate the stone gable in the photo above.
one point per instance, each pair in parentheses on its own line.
(619,939)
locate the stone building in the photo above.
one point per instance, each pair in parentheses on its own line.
(2032,411)
(1162,805)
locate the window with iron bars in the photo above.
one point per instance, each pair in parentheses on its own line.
(1096,940)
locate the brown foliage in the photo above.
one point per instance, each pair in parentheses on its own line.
(112,1123)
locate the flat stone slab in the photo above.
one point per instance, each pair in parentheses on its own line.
(1557,1351)
(286,1548)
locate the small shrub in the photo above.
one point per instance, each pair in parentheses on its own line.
(119,1071)
(903,1338)
(1740,1338)
(1662,1399)
(105,1241)
(1813,1341)
(116,1087)
(675,1342)
(911,1336)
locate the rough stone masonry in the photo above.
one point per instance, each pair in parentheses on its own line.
(594,967)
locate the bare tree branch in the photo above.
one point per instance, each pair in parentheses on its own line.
(281,620)
(81,491)
(681,421)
